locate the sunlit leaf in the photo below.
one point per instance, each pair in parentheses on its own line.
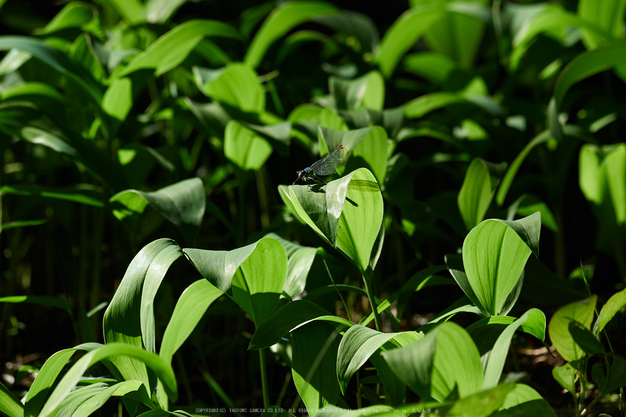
(581,312)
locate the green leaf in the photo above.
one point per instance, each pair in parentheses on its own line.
(236,85)
(367,91)
(566,375)
(131,10)
(611,378)
(280,21)
(587,64)
(446,359)
(585,339)
(404,32)
(607,15)
(525,401)
(74,194)
(477,190)
(129,318)
(457,35)
(299,261)
(259,280)
(10,405)
(159,11)
(89,399)
(53,58)
(40,300)
(182,203)
(74,14)
(166,53)
(248,150)
(348,214)
(190,308)
(581,312)
(609,310)
(359,343)
(494,255)
(291,316)
(483,403)
(555,22)
(495,364)
(371,153)
(47,376)
(314,366)
(161,369)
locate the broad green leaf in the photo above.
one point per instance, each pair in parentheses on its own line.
(10,405)
(585,339)
(280,21)
(112,351)
(495,364)
(554,21)
(487,330)
(457,35)
(494,255)
(611,378)
(36,89)
(389,119)
(236,85)
(299,261)
(244,147)
(38,299)
(404,32)
(358,344)
(166,53)
(483,403)
(190,308)
(182,203)
(581,312)
(445,360)
(602,179)
(371,153)
(587,64)
(40,390)
(477,190)
(525,401)
(159,11)
(74,14)
(527,204)
(367,91)
(612,307)
(314,366)
(259,280)
(126,317)
(87,400)
(75,194)
(219,266)
(291,316)
(320,208)
(53,58)
(607,15)
(433,66)
(131,10)
(566,375)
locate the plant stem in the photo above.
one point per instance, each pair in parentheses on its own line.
(266,394)
(367,277)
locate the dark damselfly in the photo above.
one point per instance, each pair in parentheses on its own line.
(325,166)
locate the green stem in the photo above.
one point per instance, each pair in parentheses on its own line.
(266,394)
(367,278)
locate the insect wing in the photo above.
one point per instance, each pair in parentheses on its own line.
(328,164)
